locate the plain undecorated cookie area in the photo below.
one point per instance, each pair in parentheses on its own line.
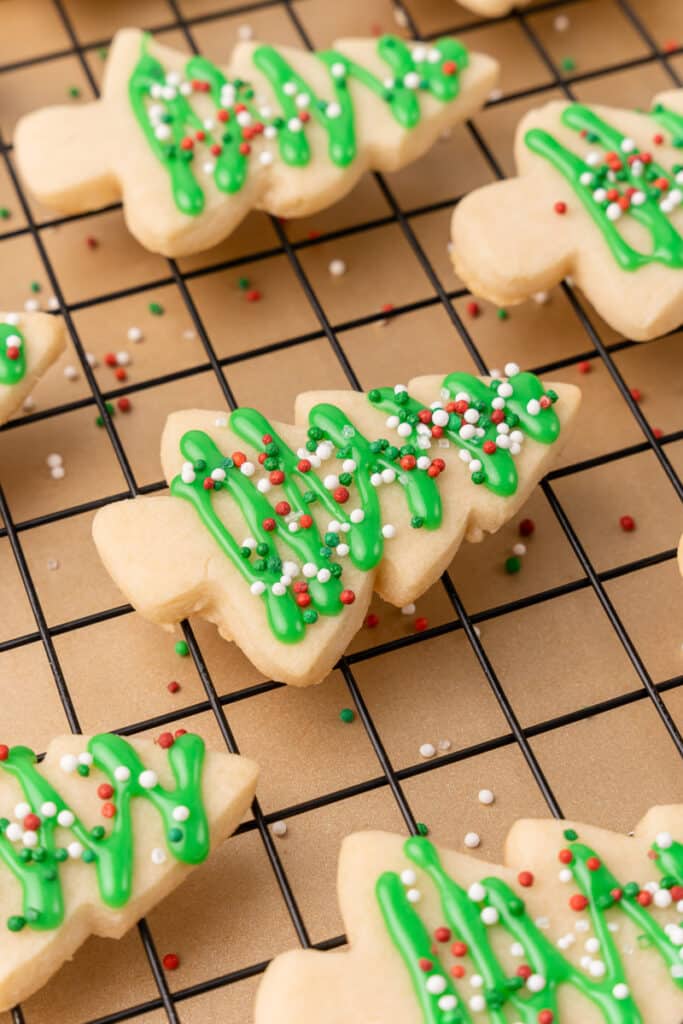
(320,775)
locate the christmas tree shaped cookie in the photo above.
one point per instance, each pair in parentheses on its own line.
(582,926)
(97,834)
(280,533)
(599,197)
(192,147)
(29,344)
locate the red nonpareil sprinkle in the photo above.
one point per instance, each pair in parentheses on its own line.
(644,898)
(421,624)
(425,415)
(408,462)
(347,597)
(180,732)
(303,600)
(565,856)
(449,67)
(627,523)
(458,971)
(636,394)
(244,148)
(593,863)
(437,431)
(120,374)
(304,466)
(165,740)
(4,752)
(12,352)
(578,901)
(544,402)
(187,143)
(340,495)
(616,894)
(171,962)
(584,366)
(283,508)
(200,135)
(433,471)
(473,309)
(489,447)
(669,45)
(306,521)
(658,432)
(268,525)
(32,822)
(461,406)
(262,457)
(497,416)
(110,359)
(424,964)
(442,934)
(676,892)
(239,458)
(209,483)
(276,477)
(526,527)
(440,464)
(546,1017)
(173,686)
(223,115)
(525,878)
(123,404)
(215,149)
(300,587)
(253,295)
(560,207)
(304,116)
(108,810)
(312,235)
(371,620)
(459,949)
(524,971)
(91,242)
(387,307)
(652,854)
(105,791)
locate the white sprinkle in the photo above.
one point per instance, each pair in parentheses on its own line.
(21,810)
(30,839)
(436,984)
(337,268)
(427,750)
(664,840)
(14,832)
(70,372)
(54,459)
(533,407)
(448,1002)
(279,828)
(31,305)
(148,779)
(489,915)
(519,550)
(388,531)
(58,473)
(75,850)
(68,763)
(517,949)
(472,840)
(511,369)
(477,1003)
(257,587)
(476,892)
(620,991)
(413,895)
(245,32)
(486,796)
(85,758)
(181,813)
(66,818)
(541,298)
(48,809)
(121,773)
(444,745)
(535,983)
(561,23)
(158,855)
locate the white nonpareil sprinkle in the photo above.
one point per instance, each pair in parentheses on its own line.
(486,796)
(427,750)
(408,609)
(408,877)
(279,828)
(70,372)
(54,459)
(561,23)
(472,840)
(337,268)
(489,915)
(148,779)
(31,305)
(445,745)
(75,850)
(245,32)
(158,856)
(58,473)
(121,773)
(519,549)
(30,840)
(66,818)
(68,763)
(413,895)
(476,892)
(435,984)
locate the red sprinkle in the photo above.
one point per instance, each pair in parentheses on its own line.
(110,359)
(424,964)
(283,508)
(489,447)
(306,521)
(165,740)
(658,432)
(123,405)
(245,148)
(449,67)
(347,597)
(584,366)
(526,527)
(253,295)
(268,524)
(304,466)
(276,477)
(371,620)
(180,732)
(616,894)
(121,374)
(442,934)
(105,791)
(627,523)
(173,686)
(4,752)
(546,1017)
(108,811)
(340,495)
(560,207)
(458,971)
(91,242)
(579,902)
(473,309)
(644,898)
(171,962)
(524,971)
(525,878)
(593,863)
(459,949)
(676,892)
(636,394)
(565,856)
(32,822)
(421,624)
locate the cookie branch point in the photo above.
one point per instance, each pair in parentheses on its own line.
(282,532)
(192,147)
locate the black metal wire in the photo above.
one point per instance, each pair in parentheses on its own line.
(389,778)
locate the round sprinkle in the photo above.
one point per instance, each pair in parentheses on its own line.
(337,268)
(181,649)
(560,207)
(486,796)
(347,715)
(156,309)
(279,828)
(422,829)
(627,523)
(526,527)
(512,565)
(171,962)
(472,840)
(427,750)
(519,550)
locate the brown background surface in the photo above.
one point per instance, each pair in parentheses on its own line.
(568,676)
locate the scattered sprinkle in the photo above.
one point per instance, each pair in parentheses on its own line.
(519,550)
(102,52)
(74,92)
(627,523)
(421,624)
(31,305)
(472,840)
(35,287)
(636,394)
(337,268)
(181,648)
(512,565)
(473,309)
(134,334)
(4,213)
(279,828)
(253,295)
(156,309)
(560,207)
(347,715)
(171,962)
(91,242)
(245,32)
(173,686)
(99,421)
(561,23)
(526,527)
(53,303)
(422,829)
(486,797)
(502,314)
(541,298)
(70,372)
(371,620)
(427,750)
(243,283)
(52,564)
(123,404)
(568,64)
(584,366)
(444,745)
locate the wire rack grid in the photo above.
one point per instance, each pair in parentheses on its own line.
(596,349)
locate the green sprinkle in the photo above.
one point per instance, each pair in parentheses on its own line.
(479,477)
(310,616)
(35,286)
(15,923)
(374,395)
(181,649)
(88,856)
(422,829)
(83,770)
(97,832)
(4,213)
(61,855)
(156,309)
(512,565)
(347,715)
(109,406)
(568,64)
(502,314)
(243,283)
(631,889)
(74,92)
(416,522)
(570,835)
(175,835)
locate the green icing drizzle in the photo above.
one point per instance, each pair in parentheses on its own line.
(627,178)
(435,988)
(37,868)
(166,109)
(210,479)
(12,355)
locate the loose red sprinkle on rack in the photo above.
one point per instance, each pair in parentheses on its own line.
(560,207)
(171,962)
(173,686)
(473,309)
(584,366)
(636,394)
(627,523)
(526,527)
(371,620)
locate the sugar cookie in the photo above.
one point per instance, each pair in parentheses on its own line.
(29,344)
(279,533)
(97,834)
(192,147)
(582,927)
(599,198)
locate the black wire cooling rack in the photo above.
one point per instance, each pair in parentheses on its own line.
(596,349)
